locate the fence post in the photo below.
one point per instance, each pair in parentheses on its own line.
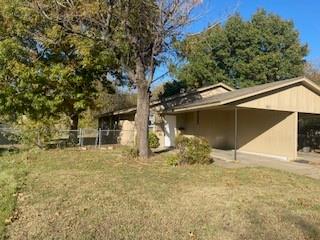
(80,139)
(100,138)
(82,134)
(97,140)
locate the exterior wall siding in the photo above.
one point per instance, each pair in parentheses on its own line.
(259,131)
(216,126)
(128,132)
(295,99)
(268,132)
(126,124)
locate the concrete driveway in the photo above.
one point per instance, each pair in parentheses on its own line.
(311,158)
(224,158)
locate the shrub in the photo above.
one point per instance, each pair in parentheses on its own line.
(132,153)
(154,141)
(173,160)
(193,150)
(38,133)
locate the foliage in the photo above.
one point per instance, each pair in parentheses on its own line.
(242,53)
(193,150)
(38,133)
(119,99)
(312,72)
(71,44)
(172,160)
(88,119)
(12,175)
(106,101)
(169,89)
(138,33)
(131,153)
(154,141)
(46,71)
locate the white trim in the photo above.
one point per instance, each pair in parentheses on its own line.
(170,128)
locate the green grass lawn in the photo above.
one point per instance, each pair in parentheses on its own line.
(12,173)
(71,194)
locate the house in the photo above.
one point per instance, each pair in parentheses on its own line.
(259,120)
(124,119)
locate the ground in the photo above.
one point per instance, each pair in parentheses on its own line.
(74,194)
(306,164)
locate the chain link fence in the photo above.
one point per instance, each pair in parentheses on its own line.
(60,138)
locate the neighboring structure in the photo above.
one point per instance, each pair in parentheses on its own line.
(261,120)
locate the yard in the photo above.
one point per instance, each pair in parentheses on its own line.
(73,194)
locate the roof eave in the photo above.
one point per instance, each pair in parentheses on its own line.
(304,80)
(172,98)
(308,82)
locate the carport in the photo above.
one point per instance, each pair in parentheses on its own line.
(259,120)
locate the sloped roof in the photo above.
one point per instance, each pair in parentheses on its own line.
(169,99)
(241,94)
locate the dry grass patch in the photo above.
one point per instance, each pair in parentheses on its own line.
(100,195)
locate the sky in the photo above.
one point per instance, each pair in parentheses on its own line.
(304,14)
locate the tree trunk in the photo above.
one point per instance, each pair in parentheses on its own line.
(142,115)
(74,122)
(73,136)
(142,120)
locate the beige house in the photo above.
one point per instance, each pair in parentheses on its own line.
(260,120)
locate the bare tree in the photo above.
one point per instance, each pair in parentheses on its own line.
(169,18)
(140,32)
(312,72)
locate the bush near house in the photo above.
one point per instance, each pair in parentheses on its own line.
(193,150)
(154,141)
(172,160)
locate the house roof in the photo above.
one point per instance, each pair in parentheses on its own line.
(241,94)
(169,99)
(221,99)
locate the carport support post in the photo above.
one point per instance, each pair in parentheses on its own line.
(296,135)
(235,132)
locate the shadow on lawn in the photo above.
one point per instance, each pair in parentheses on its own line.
(312,231)
(163,150)
(280,227)
(4,150)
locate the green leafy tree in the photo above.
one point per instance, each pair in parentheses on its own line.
(139,32)
(107,102)
(242,53)
(45,71)
(168,89)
